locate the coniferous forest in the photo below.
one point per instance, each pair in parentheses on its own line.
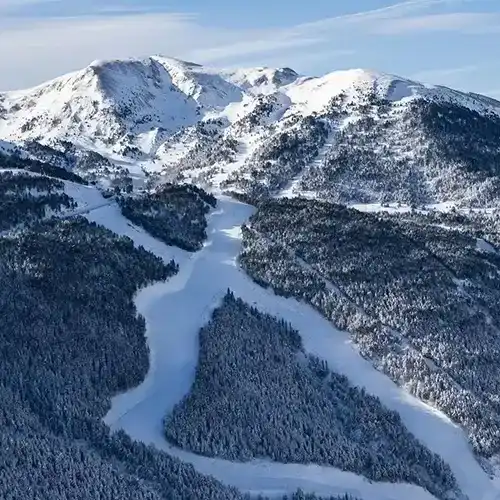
(25,198)
(257,394)
(70,340)
(175,214)
(418,292)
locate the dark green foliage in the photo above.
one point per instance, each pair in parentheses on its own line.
(476,224)
(300,495)
(14,161)
(464,136)
(257,394)
(419,153)
(281,157)
(70,339)
(175,214)
(25,198)
(417,293)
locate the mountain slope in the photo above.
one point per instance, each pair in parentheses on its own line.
(413,296)
(199,287)
(349,136)
(102,103)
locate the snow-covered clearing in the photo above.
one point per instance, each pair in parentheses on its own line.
(175,310)
(87,198)
(484,246)
(436,207)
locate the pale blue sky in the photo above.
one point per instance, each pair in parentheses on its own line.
(450,42)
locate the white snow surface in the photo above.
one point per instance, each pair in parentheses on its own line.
(175,310)
(139,110)
(484,246)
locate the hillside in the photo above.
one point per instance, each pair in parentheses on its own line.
(351,136)
(248,283)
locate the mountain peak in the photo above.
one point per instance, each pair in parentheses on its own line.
(262,80)
(248,128)
(176,61)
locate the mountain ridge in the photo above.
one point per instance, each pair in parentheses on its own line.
(391,318)
(172,120)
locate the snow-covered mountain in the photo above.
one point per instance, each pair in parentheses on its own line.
(339,352)
(350,136)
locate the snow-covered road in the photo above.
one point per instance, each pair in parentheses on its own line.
(177,309)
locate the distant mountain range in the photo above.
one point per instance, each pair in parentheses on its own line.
(349,136)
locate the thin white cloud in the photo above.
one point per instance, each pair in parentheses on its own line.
(315,33)
(395,11)
(440,74)
(34,50)
(42,49)
(253,47)
(402,18)
(297,59)
(464,22)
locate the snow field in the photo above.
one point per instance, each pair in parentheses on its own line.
(175,311)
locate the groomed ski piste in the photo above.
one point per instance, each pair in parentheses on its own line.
(175,311)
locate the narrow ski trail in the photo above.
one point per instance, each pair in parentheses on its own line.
(175,311)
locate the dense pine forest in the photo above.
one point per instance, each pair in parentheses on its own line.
(26,197)
(416,154)
(14,161)
(257,394)
(70,340)
(175,214)
(418,293)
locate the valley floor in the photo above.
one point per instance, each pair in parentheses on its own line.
(177,309)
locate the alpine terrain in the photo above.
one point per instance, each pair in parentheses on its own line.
(235,284)
(349,136)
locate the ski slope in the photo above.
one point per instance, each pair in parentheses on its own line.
(175,311)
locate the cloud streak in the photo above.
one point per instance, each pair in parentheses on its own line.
(113,31)
(439,74)
(463,22)
(467,77)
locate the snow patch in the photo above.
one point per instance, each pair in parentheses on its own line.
(177,309)
(485,247)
